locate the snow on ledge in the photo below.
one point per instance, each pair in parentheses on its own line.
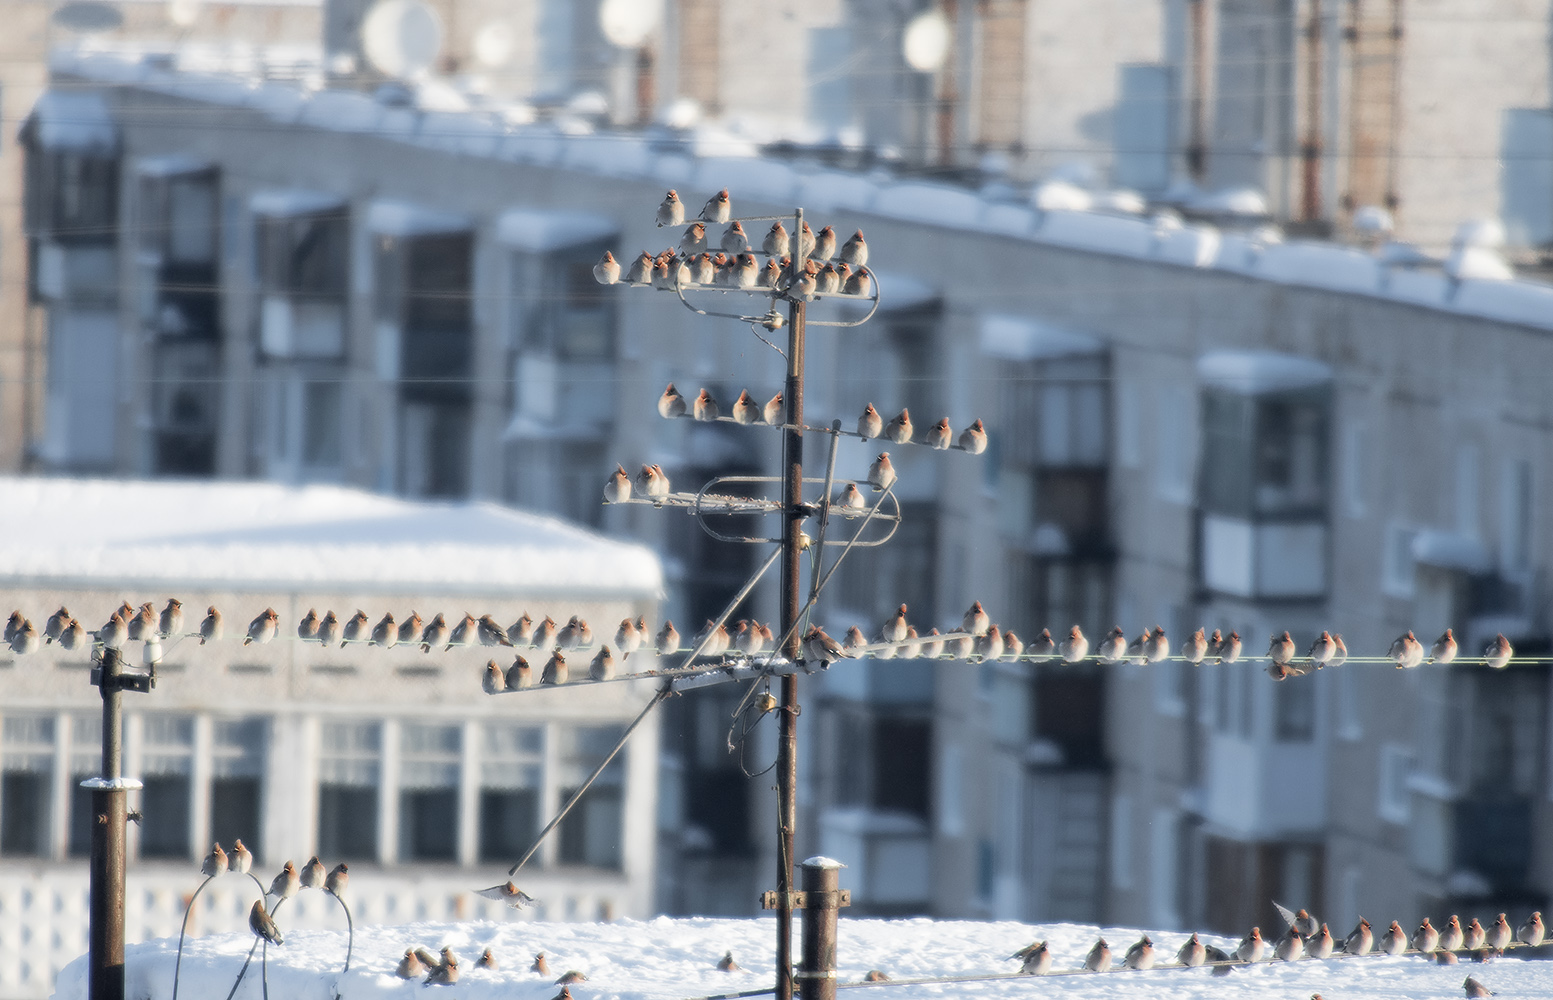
(391,217)
(673,959)
(282,203)
(1256,372)
(1023,338)
(541,231)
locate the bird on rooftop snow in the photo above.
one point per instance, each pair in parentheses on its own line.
(260,923)
(508,893)
(718,208)
(215,863)
(727,964)
(329,629)
(313,873)
(1320,944)
(1497,653)
(540,965)
(706,406)
(262,628)
(974,438)
(1474,988)
(1291,947)
(671,211)
(1192,954)
(671,404)
(1251,946)
(1394,940)
(870,424)
(572,976)
(240,860)
(1531,932)
(899,428)
(1036,960)
(1140,955)
(410,967)
(1099,957)
(487,960)
(446,972)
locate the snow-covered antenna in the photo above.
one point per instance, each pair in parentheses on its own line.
(87,17)
(401,38)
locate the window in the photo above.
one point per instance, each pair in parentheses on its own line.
(428,792)
(1394,802)
(85,762)
(1121,842)
(72,194)
(1294,707)
(511,771)
(177,216)
(348,771)
(1515,534)
(1398,566)
(591,833)
(321,420)
(167,757)
(236,785)
(26,771)
(1164,836)
(1264,455)
(305,255)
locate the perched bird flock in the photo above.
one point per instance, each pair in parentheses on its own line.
(824,268)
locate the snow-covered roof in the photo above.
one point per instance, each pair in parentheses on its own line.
(284,202)
(258,536)
(540,231)
(1024,338)
(1255,372)
(80,122)
(170,165)
(1451,550)
(391,217)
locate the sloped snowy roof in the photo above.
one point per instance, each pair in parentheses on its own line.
(80,122)
(170,165)
(253,535)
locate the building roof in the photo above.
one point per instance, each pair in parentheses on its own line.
(256,536)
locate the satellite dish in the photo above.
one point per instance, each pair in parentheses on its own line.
(183,13)
(401,37)
(926,42)
(87,16)
(493,44)
(627,23)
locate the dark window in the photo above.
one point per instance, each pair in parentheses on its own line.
(591,833)
(511,771)
(1295,706)
(85,760)
(903,765)
(348,771)
(166,766)
(236,786)
(1070,712)
(560,309)
(71,195)
(24,813)
(428,792)
(1265,455)
(306,255)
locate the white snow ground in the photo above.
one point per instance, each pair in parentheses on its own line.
(675,958)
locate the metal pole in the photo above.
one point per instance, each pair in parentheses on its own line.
(105,939)
(792,524)
(822,898)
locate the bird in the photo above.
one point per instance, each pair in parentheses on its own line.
(487,960)
(464,633)
(607,270)
(313,873)
(427,959)
(494,680)
(717,208)
(574,634)
(519,675)
(52,627)
(262,628)
(540,965)
(1476,989)
(974,439)
(722,270)
(694,240)
(899,428)
(771,274)
(307,628)
(1251,947)
(1319,944)
(240,860)
(1407,651)
(775,243)
(735,240)
(1290,947)
(894,630)
(819,647)
(1136,649)
(976,620)
(807,282)
(1531,932)
(851,499)
(671,211)
(671,404)
(854,252)
(329,629)
(805,242)
(1156,646)
(1113,648)
(1394,941)
(1281,649)
(72,636)
(446,971)
(939,436)
(618,488)
(509,893)
(989,645)
(746,272)
(746,638)
(870,424)
(12,624)
(1499,936)
(1497,653)
(667,639)
(142,625)
(410,628)
(771,413)
(713,639)
(490,633)
(410,966)
(960,645)
(1195,647)
(881,474)
(1473,937)
(385,633)
(170,623)
(628,639)
(828,280)
(1301,921)
(1035,960)
(1444,648)
(1075,647)
(337,880)
(702,269)
(1219,957)
(744,409)
(262,925)
(355,629)
(1192,954)
(286,884)
(932,648)
(602,667)
(1099,957)
(26,639)
(706,407)
(1340,654)
(1043,647)
(1451,935)
(1322,650)
(1229,648)
(727,964)
(824,247)
(1140,955)
(521,631)
(878,976)
(572,976)
(215,863)
(555,671)
(640,271)
(1280,671)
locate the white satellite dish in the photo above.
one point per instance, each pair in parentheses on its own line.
(401,38)
(183,13)
(88,17)
(627,23)
(493,44)
(926,41)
